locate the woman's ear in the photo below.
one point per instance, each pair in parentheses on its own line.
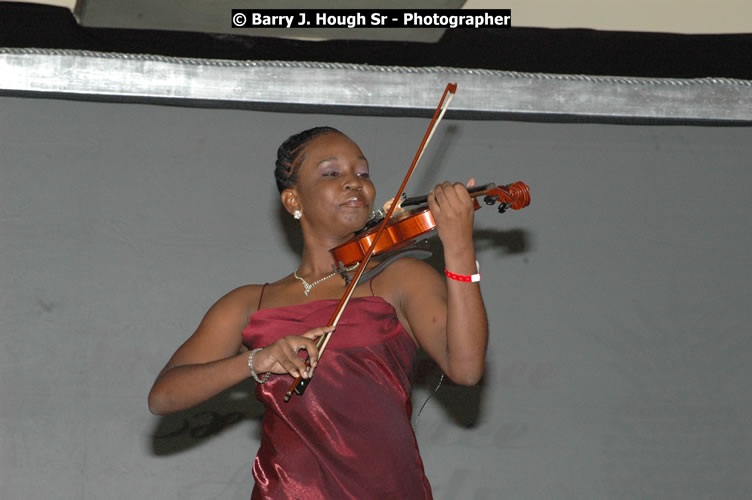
(289,200)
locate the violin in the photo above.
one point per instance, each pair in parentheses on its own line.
(409,227)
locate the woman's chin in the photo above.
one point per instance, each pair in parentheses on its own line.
(351,225)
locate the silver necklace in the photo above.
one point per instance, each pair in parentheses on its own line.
(307,286)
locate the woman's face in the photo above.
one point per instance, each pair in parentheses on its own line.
(333,185)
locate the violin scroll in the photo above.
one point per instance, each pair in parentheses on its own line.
(515,196)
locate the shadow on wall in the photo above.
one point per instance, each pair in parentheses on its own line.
(191,428)
(502,241)
(462,404)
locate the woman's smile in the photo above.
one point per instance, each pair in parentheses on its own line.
(354,202)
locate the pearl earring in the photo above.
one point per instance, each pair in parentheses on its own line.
(297,214)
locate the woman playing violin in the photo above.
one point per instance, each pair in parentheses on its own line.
(349,434)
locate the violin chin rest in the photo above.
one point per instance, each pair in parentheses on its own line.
(374,221)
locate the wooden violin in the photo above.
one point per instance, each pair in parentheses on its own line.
(409,227)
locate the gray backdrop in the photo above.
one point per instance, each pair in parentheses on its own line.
(618,366)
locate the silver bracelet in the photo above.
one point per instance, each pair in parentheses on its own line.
(253,372)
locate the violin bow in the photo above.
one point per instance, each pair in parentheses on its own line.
(299,384)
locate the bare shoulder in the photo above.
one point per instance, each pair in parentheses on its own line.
(219,333)
(246,294)
(231,312)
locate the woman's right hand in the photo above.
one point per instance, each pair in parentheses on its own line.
(281,356)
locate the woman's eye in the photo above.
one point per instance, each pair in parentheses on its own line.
(365,175)
(332,173)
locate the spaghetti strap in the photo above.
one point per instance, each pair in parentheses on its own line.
(370,284)
(261,296)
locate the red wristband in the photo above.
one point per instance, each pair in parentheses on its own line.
(474,278)
(461,277)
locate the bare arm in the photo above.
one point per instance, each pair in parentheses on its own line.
(447,317)
(211,360)
(448,320)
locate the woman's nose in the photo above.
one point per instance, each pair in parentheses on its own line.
(353,181)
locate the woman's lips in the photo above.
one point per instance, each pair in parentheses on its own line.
(353,202)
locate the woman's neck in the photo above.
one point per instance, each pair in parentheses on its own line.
(317,260)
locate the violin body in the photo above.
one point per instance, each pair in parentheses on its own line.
(412,226)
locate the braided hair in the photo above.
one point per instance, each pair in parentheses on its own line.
(290,157)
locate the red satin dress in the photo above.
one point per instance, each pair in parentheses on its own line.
(349,436)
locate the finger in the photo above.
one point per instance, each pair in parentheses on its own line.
(433,205)
(441,195)
(463,196)
(312,351)
(292,362)
(439,192)
(387,205)
(318,332)
(290,365)
(447,196)
(308,345)
(471,182)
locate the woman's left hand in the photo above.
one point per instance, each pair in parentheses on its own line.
(452,209)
